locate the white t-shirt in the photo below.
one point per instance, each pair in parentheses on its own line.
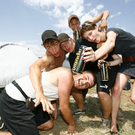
(50,91)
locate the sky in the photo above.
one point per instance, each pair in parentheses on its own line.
(23,21)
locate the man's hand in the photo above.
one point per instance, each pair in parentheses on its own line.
(103,26)
(71,130)
(89,55)
(46,105)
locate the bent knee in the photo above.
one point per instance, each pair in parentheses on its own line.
(46,126)
(102,95)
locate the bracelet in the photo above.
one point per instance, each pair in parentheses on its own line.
(72,124)
(103,19)
(109,63)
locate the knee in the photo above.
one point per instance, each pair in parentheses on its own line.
(117,91)
(46,126)
(102,95)
(133,99)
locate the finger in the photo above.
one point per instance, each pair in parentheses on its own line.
(43,105)
(66,133)
(88,49)
(37,103)
(47,107)
(89,53)
(51,106)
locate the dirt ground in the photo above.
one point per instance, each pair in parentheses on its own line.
(89,124)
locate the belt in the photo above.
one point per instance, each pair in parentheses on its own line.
(131,58)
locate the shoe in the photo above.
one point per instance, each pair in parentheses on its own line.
(105,126)
(79,112)
(2,125)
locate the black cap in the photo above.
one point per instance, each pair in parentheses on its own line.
(63,37)
(48,34)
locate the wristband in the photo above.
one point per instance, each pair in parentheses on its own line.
(103,19)
(72,124)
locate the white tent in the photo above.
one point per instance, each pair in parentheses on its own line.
(14,62)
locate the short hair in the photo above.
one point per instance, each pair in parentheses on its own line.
(50,41)
(86,27)
(94,76)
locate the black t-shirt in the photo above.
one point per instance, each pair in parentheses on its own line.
(92,66)
(124,44)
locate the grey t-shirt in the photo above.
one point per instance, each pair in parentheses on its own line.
(124,44)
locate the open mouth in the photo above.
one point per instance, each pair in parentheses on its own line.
(56,54)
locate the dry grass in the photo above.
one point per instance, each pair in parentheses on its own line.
(89,124)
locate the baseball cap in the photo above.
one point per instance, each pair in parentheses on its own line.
(73,16)
(63,37)
(48,34)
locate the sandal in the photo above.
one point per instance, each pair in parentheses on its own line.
(115,133)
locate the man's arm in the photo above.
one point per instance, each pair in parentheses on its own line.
(103,17)
(64,89)
(35,77)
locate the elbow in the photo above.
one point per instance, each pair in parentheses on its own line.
(63,109)
(108,12)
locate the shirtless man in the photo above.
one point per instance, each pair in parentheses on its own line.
(53,58)
(19,119)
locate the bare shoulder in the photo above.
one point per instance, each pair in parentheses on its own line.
(47,57)
(64,70)
(64,73)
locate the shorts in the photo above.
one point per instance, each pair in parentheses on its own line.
(40,115)
(17,116)
(105,86)
(128,68)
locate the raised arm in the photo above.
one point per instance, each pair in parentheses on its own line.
(103,18)
(35,77)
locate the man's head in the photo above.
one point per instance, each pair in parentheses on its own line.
(85,80)
(66,43)
(73,22)
(51,42)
